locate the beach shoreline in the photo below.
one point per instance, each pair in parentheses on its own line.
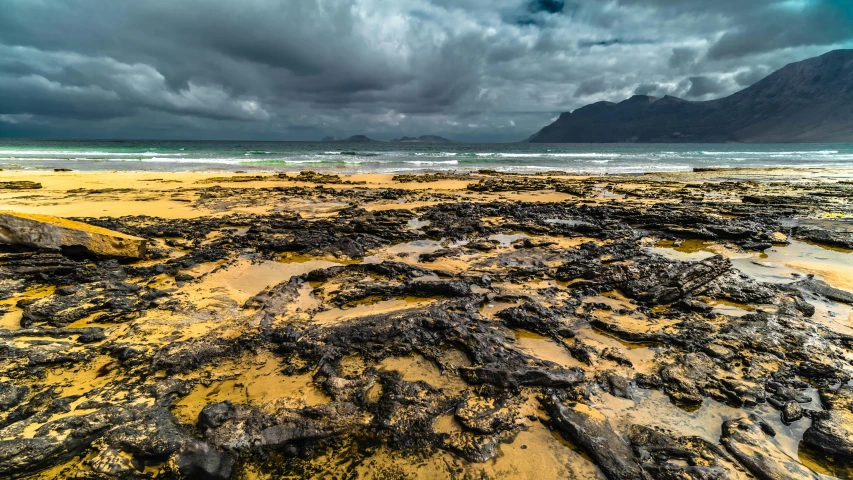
(432,325)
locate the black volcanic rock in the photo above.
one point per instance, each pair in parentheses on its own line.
(423,139)
(807,101)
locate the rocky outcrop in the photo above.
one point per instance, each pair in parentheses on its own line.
(55,233)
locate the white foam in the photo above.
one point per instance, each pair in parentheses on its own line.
(97,153)
(433,162)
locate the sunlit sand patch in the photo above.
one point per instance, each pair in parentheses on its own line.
(544,348)
(253,380)
(546,196)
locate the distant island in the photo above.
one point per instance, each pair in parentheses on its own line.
(352,139)
(804,102)
(423,139)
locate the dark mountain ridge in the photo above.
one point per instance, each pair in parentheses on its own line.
(809,102)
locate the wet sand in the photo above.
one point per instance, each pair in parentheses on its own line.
(484,326)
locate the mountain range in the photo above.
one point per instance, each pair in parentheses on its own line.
(806,102)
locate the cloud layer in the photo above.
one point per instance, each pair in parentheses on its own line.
(477,70)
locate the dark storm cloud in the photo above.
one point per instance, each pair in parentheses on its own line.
(683,57)
(467,69)
(591,87)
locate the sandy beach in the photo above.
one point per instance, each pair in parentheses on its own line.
(307,325)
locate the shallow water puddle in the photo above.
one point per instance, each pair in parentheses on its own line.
(563,221)
(544,348)
(446,424)
(11,320)
(641,355)
(246,278)
(538,453)
(779,264)
(686,251)
(730,308)
(416,368)
(615,300)
(262,385)
(490,309)
(507,239)
(364,309)
(417,224)
(653,408)
(415,247)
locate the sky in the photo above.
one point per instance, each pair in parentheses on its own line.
(469,70)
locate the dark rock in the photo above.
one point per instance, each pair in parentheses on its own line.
(831,431)
(791,412)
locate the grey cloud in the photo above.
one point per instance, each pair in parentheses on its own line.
(682,57)
(467,69)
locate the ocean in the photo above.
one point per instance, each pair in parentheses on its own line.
(155,155)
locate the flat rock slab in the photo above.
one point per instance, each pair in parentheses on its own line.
(45,231)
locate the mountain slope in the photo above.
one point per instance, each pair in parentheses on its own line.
(807,101)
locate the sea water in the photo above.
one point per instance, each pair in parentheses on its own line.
(386,157)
